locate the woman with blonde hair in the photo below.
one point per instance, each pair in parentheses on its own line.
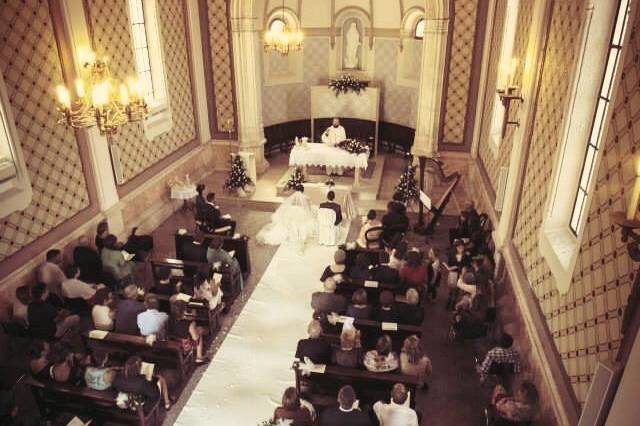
(350,352)
(413,361)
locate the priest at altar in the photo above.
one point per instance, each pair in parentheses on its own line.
(332,137)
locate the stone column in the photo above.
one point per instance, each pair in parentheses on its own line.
(248,88)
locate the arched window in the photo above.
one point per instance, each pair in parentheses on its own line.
(419,31)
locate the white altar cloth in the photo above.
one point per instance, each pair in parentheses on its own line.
(318,154)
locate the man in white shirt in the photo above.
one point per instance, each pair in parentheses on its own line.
(332,137)
(398,412)
(73,287)
(152,321)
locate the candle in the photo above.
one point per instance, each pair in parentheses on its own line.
(63,96)
(632,209)
(124,95)
(80,88)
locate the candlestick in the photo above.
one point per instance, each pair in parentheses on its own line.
(632,208)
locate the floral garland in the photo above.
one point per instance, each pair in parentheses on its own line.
(353,146)
(346,84)
(295,180)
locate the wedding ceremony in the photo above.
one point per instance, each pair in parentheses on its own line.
(319,212)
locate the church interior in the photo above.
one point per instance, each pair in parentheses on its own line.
(319,212)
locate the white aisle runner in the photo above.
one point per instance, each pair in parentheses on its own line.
(244,382)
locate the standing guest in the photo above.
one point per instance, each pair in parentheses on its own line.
(131,381)
(102,232)
(435,273)
(337,268)
(314,347)
(414,272)
(519,408)
(292,409)
(184,327)
(347,412)
(88,261)
(374,236)
(74,288)
(359,308)
(45,320)
(113,260)
(387,311)
(127,312)
(332,205)
(325,302)
(207,290)
(501,354)
(466,283)
(20,306)
(397,412)
(200,201)
(360,270)
(395,222)
(349,354)
(397,255)
(51,274)
(164,285)
(101,313)
(411,312)
(152,321)
(413,361)
(381,359)
(215,253)
(97,375)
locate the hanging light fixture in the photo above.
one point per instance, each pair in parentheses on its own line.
(101,100)
(283,39)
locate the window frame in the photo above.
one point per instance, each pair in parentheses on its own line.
(422,20)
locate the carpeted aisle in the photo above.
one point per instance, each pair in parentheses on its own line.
(244,382)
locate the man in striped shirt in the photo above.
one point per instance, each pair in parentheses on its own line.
(501,354)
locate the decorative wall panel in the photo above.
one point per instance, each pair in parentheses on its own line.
(460,70)
(30,64)
(112,37)
(221,65)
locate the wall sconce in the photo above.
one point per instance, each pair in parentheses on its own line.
(628,221)
(509,94)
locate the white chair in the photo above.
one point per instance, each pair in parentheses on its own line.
(327,230)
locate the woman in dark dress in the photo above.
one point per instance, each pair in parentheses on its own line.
(183,326)
(130,380)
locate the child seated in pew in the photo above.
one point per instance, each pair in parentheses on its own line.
(360,270)
(349,354)
(182,325)
(300,412)
(102,312)
(386,311)
(382,359)
(208,290)
(413,361)
(359,308)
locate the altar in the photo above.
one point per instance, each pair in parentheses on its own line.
(318,154)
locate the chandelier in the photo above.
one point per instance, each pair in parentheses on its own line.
(282,39)
(100,100)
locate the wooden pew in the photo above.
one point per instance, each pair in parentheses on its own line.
(370,331)
(373,288)
(52,397)
(166,353)
(370,387)
(210,319)
(373,255)
(239,245)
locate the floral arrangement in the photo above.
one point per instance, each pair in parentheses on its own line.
(238,177)
(346,84)
(353,146)
(330,183)
(296,179)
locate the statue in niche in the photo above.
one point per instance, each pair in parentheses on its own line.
(352,46)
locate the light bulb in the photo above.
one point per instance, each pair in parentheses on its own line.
(63,96)
(80,88)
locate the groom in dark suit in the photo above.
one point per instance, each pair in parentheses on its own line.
(330,204)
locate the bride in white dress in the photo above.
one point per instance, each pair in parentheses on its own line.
(294,222)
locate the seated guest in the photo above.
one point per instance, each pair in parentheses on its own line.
(63,366)
(411,312)
(359,308)
(413,361)
(184,327)
(521,407)
(163,284)
(349,354)
(325,302)
(152,321)
(414,272)
(102,232)
(292,409)
(194,251)
(51,274)
(314,347)
(74,288)
(374,236)
(397,255)
(208,290)
(381,359)
(468,221)
(113,260)
(214,218)
(39,364)
(458,259)
(101,313)
(338,268)
(435,273)
(347,412)
(397,412)
(88,261)
(45,320)
(97,375)
(501,354)
(131,381)
(215,254)
(395,222)
(466,283)
(386,311)
(127,311)
(360,269)
(20,305)
(332,205)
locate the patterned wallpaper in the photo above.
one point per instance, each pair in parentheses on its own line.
(222,69)
(111,37)
(490,161)
(459,73)
(585,322)
(50,150)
